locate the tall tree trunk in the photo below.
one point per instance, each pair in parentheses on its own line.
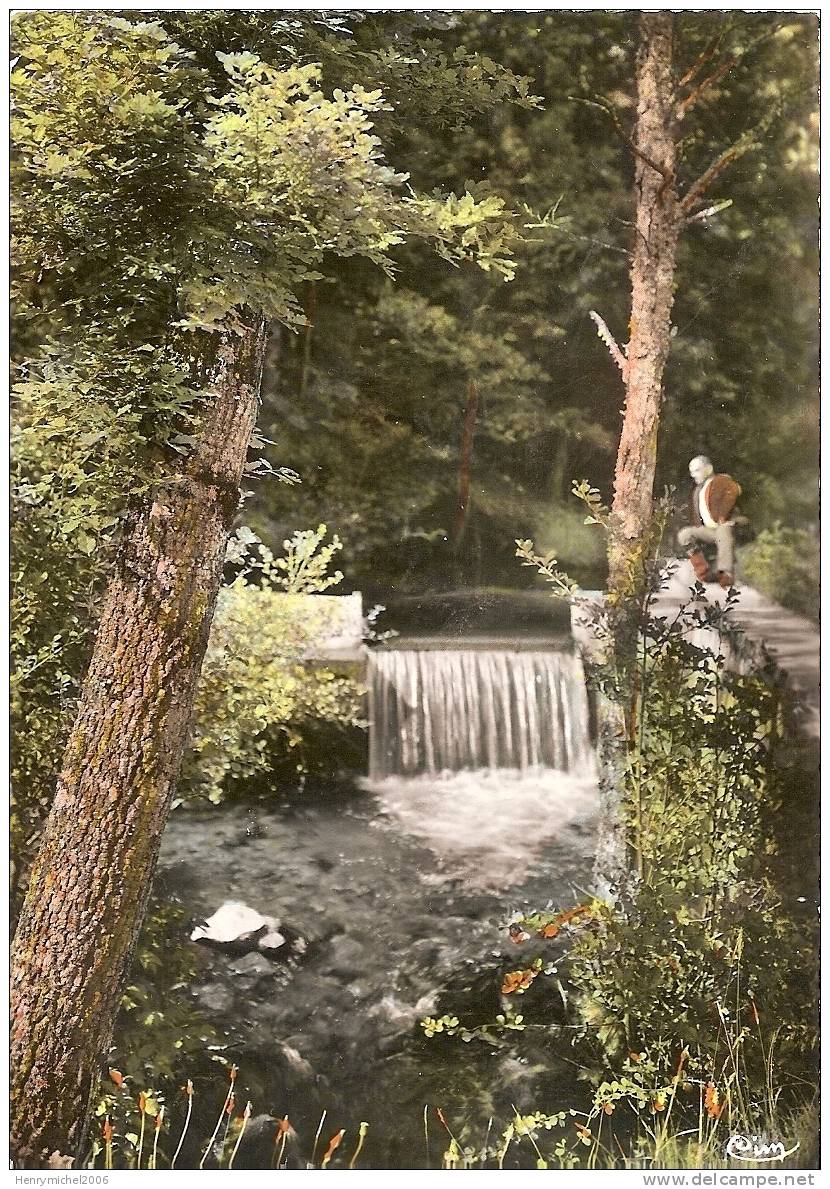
(93,873)
(559,484)
(658,221)
(465,463)
(308,338)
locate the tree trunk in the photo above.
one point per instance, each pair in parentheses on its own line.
(93,873)
(308,339)
(658,221)
(465,462)
(560,487)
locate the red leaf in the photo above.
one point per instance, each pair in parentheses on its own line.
(713,1102)
(334,1144)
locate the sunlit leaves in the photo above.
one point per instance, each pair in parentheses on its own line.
(260,687)
(158,184)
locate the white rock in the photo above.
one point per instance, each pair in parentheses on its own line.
(232,921)
(271,940)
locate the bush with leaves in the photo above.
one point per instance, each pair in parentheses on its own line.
(690,996)
(164,171)
(689,990)
(784,564)
(262,695)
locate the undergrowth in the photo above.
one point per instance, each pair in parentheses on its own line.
(687,990)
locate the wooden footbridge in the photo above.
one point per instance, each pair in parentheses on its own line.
(791,641)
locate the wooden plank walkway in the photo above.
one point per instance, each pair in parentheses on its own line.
(791,640)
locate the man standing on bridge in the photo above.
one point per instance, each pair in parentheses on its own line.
(712,509)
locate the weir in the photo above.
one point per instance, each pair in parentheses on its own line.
(453,710)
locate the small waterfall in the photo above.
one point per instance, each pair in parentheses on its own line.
(437,711)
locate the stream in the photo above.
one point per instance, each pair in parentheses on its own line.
(401,888)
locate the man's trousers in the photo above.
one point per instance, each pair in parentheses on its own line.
(721,536)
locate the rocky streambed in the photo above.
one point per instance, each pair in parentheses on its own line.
(376,906)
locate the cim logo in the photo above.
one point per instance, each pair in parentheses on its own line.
(756,1149)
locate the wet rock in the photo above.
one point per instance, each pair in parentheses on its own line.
(278,1073)
(344,958)
(254,828)
(283,944)
(214,998)
(237,929)
(253,964)
(394,1017)
(423,954)
(296,1062)
(297,945)
(388,1045)
(271,941)
(260,1144)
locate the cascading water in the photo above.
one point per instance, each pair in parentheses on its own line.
(442,711)
(484,799)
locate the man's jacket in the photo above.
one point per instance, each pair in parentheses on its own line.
(720,496)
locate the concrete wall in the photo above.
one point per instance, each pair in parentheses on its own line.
(342,627)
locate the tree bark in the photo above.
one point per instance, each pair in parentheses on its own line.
(658,221)
(559,484)
(93,873)
(465,462)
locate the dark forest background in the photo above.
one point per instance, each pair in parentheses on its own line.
(367,403)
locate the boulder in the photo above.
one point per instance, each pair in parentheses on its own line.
(255,964)
(271,941)
(233,923)
(214,998)
(345,958)
(237,929)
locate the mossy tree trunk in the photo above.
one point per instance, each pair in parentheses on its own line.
(465,465)
(93,873)
(658,222)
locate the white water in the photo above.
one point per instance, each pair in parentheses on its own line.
(484,755)
(434,712)
(486,827)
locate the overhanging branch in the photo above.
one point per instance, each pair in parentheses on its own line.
(623,135)
(702,59)
(688,103)
(707,212)
(614,350)
(698,188)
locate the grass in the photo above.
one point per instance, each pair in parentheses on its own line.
(635,1134)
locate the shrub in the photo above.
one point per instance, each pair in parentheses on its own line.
(262,696)
(563,531)
(688,991)
(783,563)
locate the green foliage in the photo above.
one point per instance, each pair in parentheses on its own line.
(783,563)
(262,696)
(259,173)
(547,567)
(360,386)
(166,172)
(700,937)
(686,991)
(159,1033)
